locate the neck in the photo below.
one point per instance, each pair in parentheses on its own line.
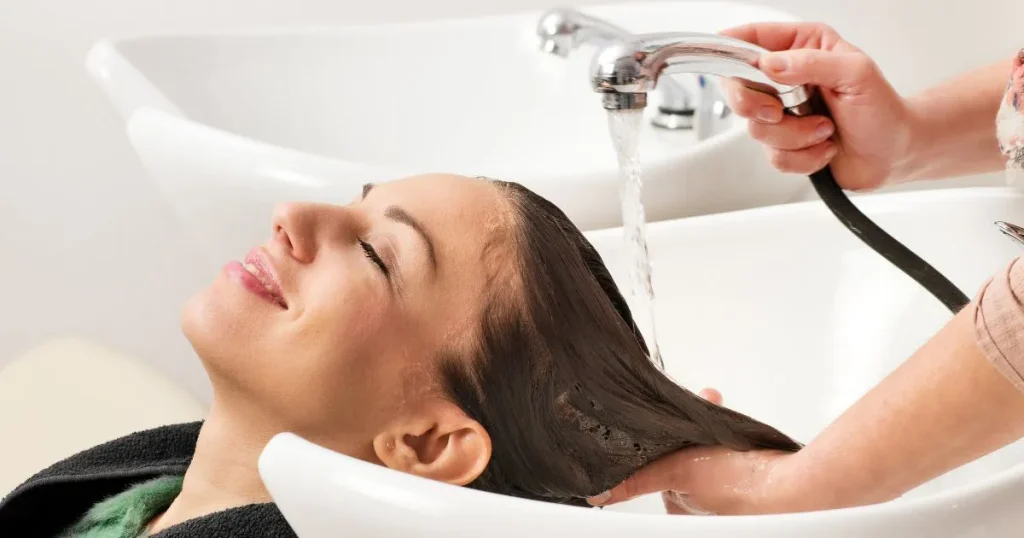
(223,473)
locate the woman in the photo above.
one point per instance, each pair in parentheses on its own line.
(457,329)
(968,378)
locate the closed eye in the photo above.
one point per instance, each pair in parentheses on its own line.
(375,258)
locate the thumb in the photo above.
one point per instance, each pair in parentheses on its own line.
(841,72)
(663,474)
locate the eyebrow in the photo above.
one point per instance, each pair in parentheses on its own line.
(401,216)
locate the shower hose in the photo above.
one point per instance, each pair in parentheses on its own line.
(876,238)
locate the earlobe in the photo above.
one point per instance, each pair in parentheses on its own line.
(441,443)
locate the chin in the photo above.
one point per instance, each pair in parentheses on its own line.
(192,315)
(218,322)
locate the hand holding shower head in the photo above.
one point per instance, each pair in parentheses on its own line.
(625,70)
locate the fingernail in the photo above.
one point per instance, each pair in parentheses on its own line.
(599,499)
(769,114)
(823,131)
(776,63)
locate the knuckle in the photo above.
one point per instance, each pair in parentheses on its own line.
(862,67)
(739,100)
(756,130)
(781,160)
(827,29)
(824,32)
(807,61)
(789,135)
(624,491)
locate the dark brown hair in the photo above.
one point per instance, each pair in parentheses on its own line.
(561,378)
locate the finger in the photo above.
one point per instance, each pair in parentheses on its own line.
(783,35)
(805,161)
(711,395)
(660,475)
(842,72)
(672,507)
(793,133)
(677,503)
(752,104)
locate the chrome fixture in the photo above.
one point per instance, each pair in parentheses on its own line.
(625,70)
(561,31)
(1014,232)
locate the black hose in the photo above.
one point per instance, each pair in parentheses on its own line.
(886,245)
(875,237)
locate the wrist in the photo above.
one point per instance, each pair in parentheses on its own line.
(810,484)
(911,158)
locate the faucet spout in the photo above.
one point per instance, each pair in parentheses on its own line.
(632,66)
(561,31)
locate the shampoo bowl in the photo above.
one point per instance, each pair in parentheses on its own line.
(786,313)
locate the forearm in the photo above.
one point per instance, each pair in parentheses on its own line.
(953,126)
(947,405)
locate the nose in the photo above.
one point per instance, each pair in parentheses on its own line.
(305,228)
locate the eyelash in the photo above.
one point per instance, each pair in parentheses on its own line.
(374,257)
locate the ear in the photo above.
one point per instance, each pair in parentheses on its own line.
(439,442)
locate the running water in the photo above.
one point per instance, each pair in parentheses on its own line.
(625,130)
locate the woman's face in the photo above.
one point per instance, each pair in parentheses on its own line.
(332,328)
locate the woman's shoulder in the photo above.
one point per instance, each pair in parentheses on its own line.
(166,446)
(53,498)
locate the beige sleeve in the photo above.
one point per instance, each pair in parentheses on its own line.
(999,321)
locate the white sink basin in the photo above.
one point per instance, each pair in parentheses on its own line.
(785,312)
(316,112)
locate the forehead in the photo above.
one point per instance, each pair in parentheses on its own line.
(453,207)
(468,219)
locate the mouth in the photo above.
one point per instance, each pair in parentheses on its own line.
(257,274)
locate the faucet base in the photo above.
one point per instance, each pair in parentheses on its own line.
(674,120)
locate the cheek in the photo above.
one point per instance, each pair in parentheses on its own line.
(333,347)
(345,312)
(364,351)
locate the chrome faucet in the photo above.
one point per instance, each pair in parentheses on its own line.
(625,70)
(562,31)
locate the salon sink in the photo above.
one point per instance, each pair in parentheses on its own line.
(786,313)
(227,123)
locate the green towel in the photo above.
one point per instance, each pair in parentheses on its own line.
(127,514)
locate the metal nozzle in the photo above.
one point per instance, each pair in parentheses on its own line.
(1014,232)
(624,101)
(633,65)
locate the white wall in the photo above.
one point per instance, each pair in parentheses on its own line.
(86,246)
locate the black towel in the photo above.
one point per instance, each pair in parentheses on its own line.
(58,496)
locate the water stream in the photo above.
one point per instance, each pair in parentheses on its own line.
(625,130)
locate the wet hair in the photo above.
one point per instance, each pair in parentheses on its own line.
(560,376)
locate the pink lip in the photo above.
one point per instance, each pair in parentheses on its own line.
(264,278)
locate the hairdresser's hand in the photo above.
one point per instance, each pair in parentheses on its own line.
(716,480)
(873,135)
(712,480)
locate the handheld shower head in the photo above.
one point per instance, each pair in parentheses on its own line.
(625,70)
(634,65)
